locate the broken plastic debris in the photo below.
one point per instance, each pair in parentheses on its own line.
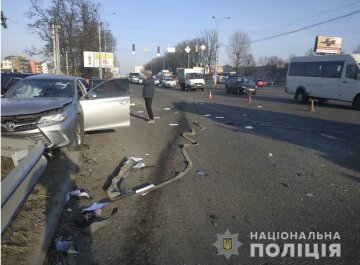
(200,173)
(67,247)
(219,117)
(167,109)
(94,207)
(98,212)
(69,210)
(76,193)
(139,165)
(132,104)
(249,127)
(140,111)
(270,154)
(309,194)
(156,118)
(259,106)
(207,115)
(285,185)
(173,124)
(136,159)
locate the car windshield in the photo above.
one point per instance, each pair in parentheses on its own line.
(195,76)
(34,88)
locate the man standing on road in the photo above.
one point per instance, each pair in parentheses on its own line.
(148,94)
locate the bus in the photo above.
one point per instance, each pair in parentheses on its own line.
(335,77)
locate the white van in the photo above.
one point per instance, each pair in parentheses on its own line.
(324,77)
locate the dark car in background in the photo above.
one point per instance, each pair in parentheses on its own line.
(239,85)
(9,79)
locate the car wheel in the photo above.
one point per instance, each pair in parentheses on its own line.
(301,96)
(356,102)
(79,135)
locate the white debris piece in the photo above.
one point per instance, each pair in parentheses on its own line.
(76,193)
(207,115)
(140,111)
(249,127)
(259,106)
(167,108)
(150,186)
(94,207)
(156,118)
(132,104)
(270,154)
(173,124)
(219,117)
(139,165)
(136,159)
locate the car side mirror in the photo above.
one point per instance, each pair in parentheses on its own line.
(91,95)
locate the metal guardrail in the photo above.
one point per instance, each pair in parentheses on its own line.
(30,164)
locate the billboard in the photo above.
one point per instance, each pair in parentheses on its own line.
(91,59)
(326,44)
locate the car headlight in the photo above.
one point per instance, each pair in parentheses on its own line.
(59,117)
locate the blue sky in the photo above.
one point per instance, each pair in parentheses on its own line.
(165,23)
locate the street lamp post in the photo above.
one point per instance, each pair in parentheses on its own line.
(217,40)
(100,71)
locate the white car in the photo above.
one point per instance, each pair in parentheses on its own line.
(156,81)
(58,109)
(169,82)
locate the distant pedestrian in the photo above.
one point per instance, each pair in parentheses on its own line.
(148,94)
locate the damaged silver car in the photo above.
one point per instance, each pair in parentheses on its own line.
(57,109)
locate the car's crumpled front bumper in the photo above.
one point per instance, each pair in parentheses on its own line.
(51,135)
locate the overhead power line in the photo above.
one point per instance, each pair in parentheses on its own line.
(300,20)
(307,27)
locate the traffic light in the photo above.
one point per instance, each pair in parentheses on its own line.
(133,49)
(158,51)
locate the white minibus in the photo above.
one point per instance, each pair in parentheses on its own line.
(323,77)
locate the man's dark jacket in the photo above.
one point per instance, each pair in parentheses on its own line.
(149,87)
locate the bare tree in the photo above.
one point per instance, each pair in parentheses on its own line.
(357,50)
(239,49)
(79,20)
(209,39)
(309,52)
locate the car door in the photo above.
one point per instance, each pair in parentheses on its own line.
(350,86)
(107,105)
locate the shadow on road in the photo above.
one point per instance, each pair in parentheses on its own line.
(342,150)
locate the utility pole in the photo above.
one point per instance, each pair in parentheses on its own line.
(100,71)
(67,62)
(217,40)
(56,46)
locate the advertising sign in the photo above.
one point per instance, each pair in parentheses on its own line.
(326,44)
(170,50)
(91,59)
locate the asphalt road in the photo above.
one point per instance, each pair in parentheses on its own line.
(291,171)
